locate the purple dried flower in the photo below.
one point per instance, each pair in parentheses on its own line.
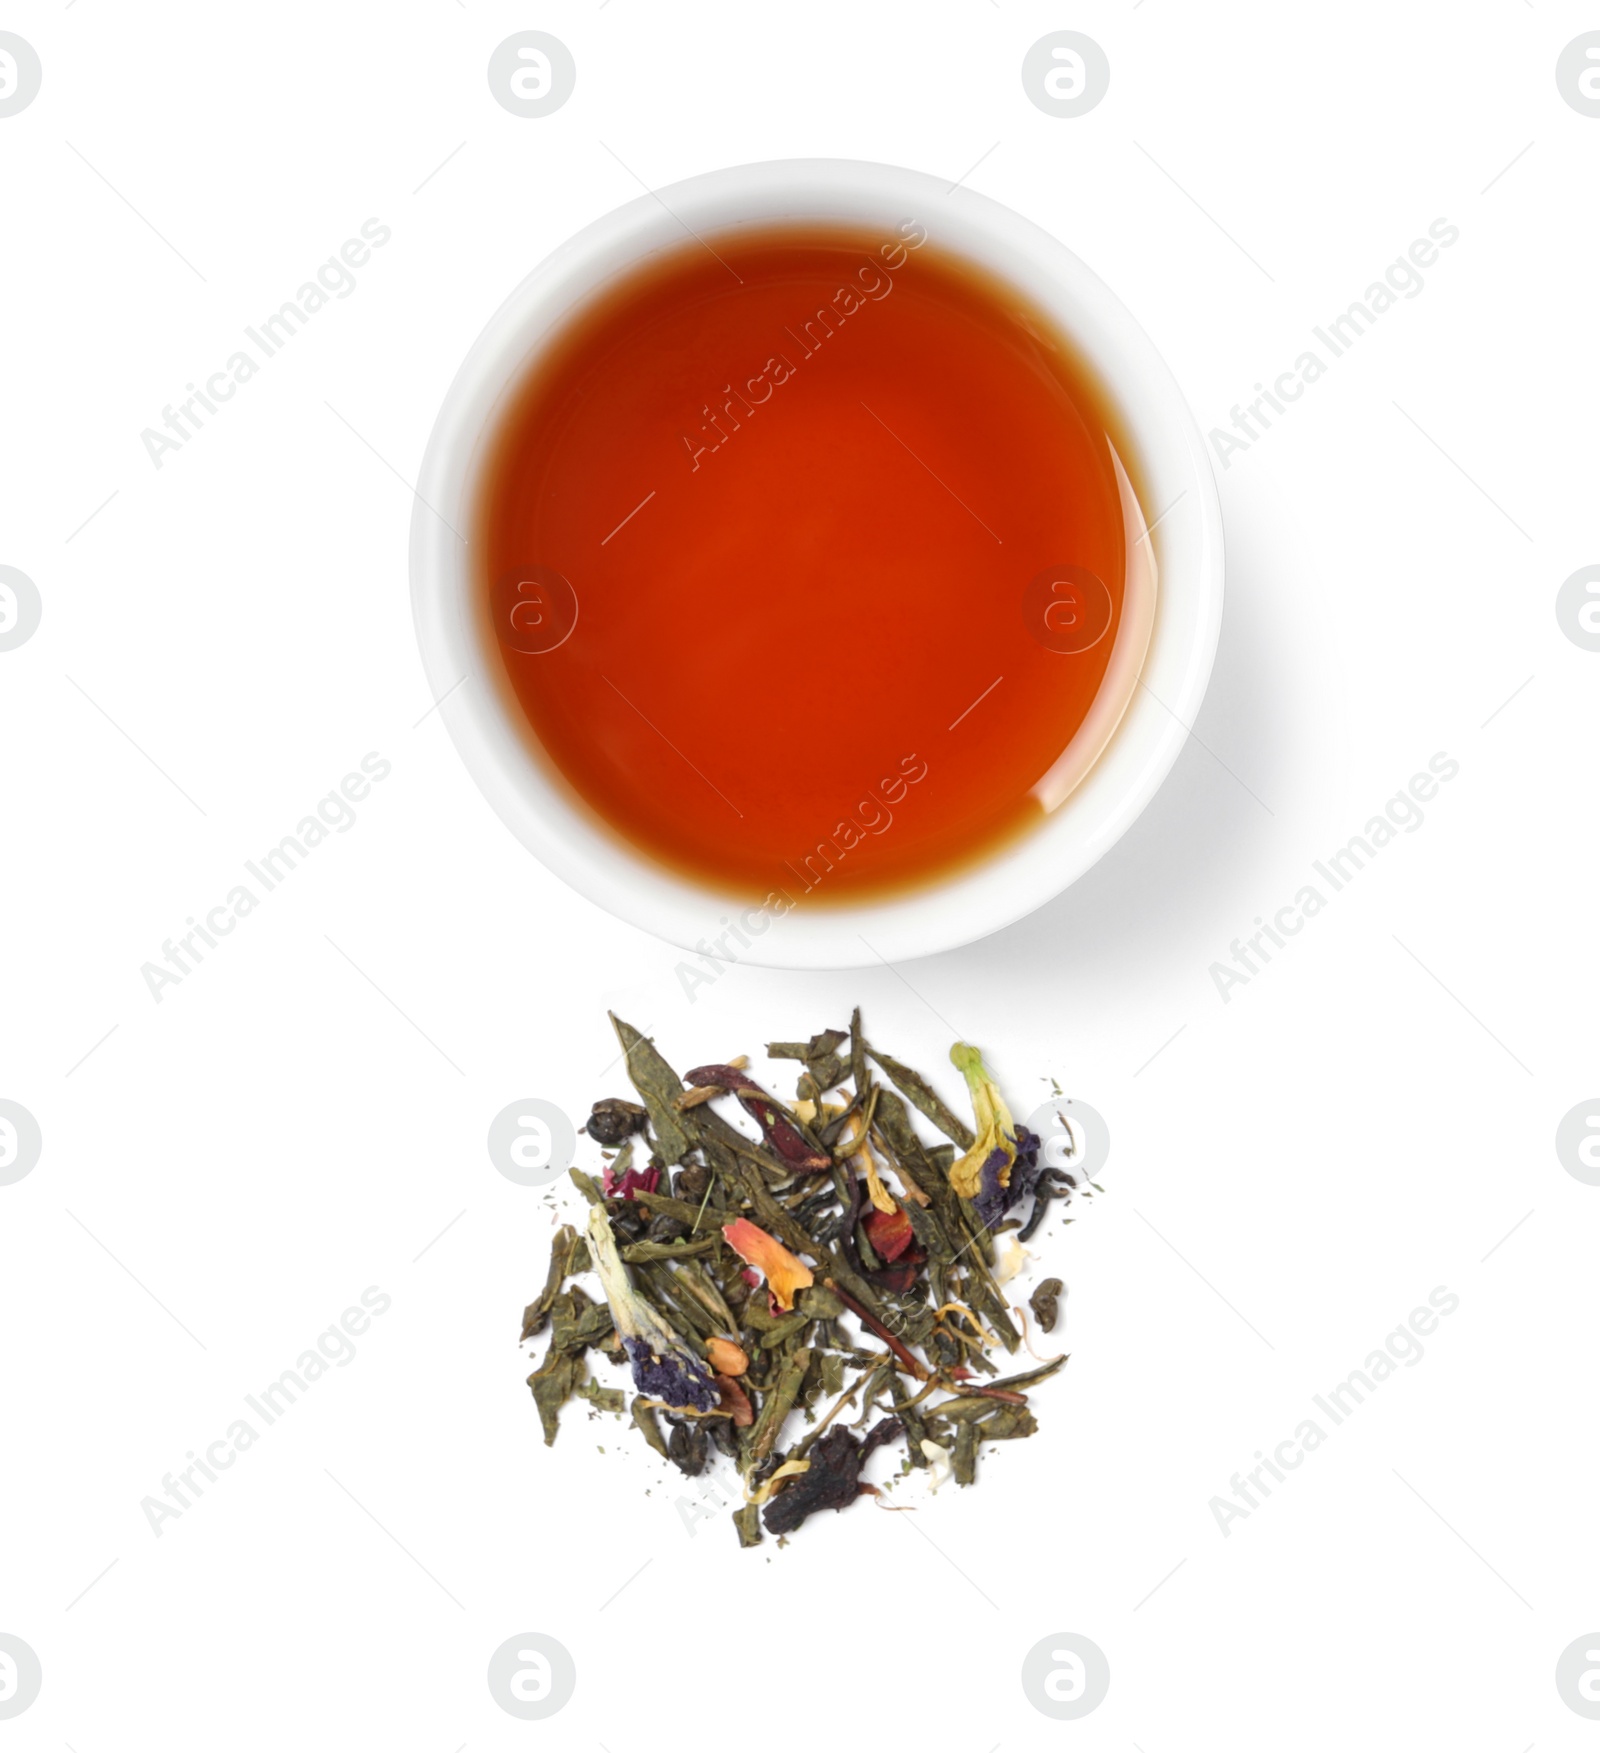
(995,1199)
(674,1378)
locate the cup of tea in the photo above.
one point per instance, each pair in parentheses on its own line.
(817,563)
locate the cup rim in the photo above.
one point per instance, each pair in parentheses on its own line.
(1172,468)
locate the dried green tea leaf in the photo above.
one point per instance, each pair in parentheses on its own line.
(635,1253)
(819,1055)
(645,1417)
(667,1206)
(1044,1303)
(704,1289)
(965,1459)
(537,1314)
(923,1097)
(759,1318)
(824,1075)
(602,1399)
(1028,1378)
(819,1303)
(576,1321)
(672,1299)
(553,1385)
(785,1330)
(778,1403)
(586,1185)
(859,1075)
(820,1045)
(1009,1423)
(659,1086)
(686,1447)
(969,1408)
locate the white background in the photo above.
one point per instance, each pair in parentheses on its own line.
(301,1118)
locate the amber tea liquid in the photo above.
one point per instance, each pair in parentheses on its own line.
(802,555)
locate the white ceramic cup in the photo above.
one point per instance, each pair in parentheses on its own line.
(1143,726)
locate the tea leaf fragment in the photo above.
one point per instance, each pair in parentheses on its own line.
(602,1399)
(553,1385)
(659,1087)
(925,1098)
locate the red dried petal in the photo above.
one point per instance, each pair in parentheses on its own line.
(778,1130)
(735,1401)
(889,1232)
(632,1181)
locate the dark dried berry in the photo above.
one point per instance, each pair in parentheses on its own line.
(627,1220)
(613,1120)
(686,1448)
(1043,1304)
(691,1183)
(764,1470)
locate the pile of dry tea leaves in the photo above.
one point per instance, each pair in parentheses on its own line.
(837,1268)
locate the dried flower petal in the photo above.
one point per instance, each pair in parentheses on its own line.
(629,1182)
(735,1402)
(995,1147)
(861,1158)
(785,1274)
(889,1232)
(778,1477)
(776,1127)
(1010,1258)
(672,1377)
(999,1193)
(938,1463)
(831,1482)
